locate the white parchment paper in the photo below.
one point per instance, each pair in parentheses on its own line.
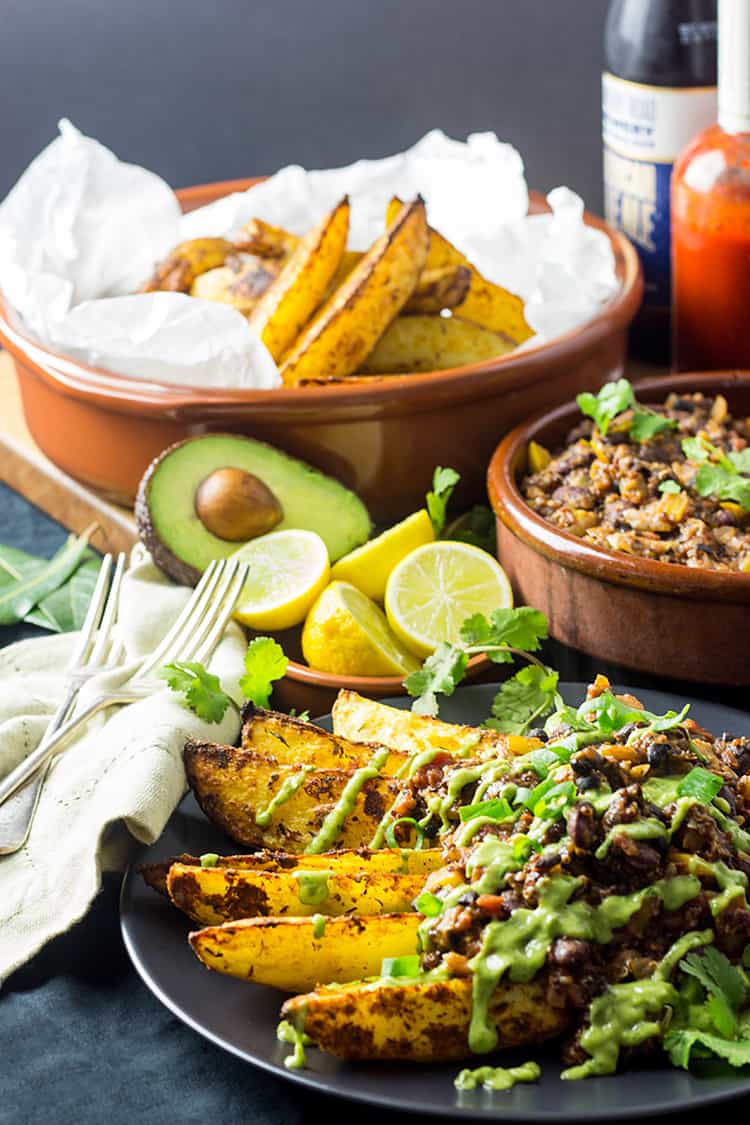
(81,230)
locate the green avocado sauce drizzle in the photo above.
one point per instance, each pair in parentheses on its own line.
(294,1033)
(333,824)
(312,886)
(497,1077)
(319,925)
(287,790)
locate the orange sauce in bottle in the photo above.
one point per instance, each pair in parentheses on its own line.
(711,252)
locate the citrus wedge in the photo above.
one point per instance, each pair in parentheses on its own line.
(434,589)
(288,569)
(347,634)
(368,567)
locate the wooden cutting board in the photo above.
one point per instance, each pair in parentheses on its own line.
(25,469)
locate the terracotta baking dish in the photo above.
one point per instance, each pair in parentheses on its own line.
(661,618)
(382,437)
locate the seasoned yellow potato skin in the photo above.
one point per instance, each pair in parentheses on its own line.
(187,261)
(431,343)
(240,282)
(441,288)
(291,741)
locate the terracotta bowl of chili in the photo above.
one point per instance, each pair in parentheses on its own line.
(381,436)
(662,618)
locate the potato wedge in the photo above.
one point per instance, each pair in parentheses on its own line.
(211,895)
(432,343)
(487,304)
(187,261)
(232,786)
(286,954)
(345,330)
(420,1021)
(266,240)
(359,719)
(291,742)
(437,289)
(241,281)
(291,300)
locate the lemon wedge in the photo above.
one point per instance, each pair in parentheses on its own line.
(434,589)
(288,569)
(347,634)
(368,567)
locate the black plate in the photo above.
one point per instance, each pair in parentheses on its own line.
(242,1018)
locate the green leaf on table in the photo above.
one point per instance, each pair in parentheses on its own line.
(440,673)
(34,582)
(522,628)
(202,690)
(604,407)
(64,610)
(436,501)
(524,698)
(265,663)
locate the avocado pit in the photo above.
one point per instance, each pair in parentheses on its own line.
(236,505)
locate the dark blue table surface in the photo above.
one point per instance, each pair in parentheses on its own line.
(83,1041)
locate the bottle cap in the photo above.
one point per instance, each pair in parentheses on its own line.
(734,65)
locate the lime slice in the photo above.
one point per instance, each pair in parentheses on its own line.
(347,634)
(288,569)
(434,589)
(369,567)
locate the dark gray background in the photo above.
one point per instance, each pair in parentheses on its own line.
(202,90)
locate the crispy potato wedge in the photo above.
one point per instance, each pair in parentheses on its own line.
(420,1021)
(292,741)
(241,281)
(487,304)
(349,260)
(211,895)
(286,954)
(437,289)
(431,343)
(233,785)
(187,261)
(266,240)
(359,719)
(346,328)
(293,297)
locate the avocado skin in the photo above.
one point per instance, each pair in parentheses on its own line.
(166,555)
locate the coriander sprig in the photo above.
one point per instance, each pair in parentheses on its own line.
(436,501)
(720,474)
(615,398)
(265,663)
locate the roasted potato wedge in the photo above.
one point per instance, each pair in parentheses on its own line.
(232,786)
(286,954)
(344,331)
(211,895)
(241,281)
(431,343)
(293,742)
(438,289)
(293,297)
(361,720)
(420,1021)
(266,240)
(487,304)
(187,261)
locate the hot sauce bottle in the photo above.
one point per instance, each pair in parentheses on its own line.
(658,91)
(711,217)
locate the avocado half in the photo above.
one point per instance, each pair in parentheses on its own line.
(180,543)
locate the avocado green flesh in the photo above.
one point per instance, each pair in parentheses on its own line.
(309,499)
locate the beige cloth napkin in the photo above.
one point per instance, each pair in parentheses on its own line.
(118,781)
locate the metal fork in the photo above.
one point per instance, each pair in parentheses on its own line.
(87,660)
(194,636)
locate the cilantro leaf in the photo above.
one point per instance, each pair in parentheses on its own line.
(741,460)
(436,501)
(670,486)
(698,449)
(647,423)
(265,662)
(611,400)
(522,699)
(723,483)
(441,672)
(521,628)
(717,974)
(202,690)
(701,784)
(679,1046)
(477,527)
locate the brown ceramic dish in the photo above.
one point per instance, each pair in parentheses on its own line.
(662,618)
(381,436)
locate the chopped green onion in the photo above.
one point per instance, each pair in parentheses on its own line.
(551,804)
(541,760)
(522,848)
(701,784)
(538,792)
(390,832)
(497,809)
(428,904)
(209,859)
(407,966)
